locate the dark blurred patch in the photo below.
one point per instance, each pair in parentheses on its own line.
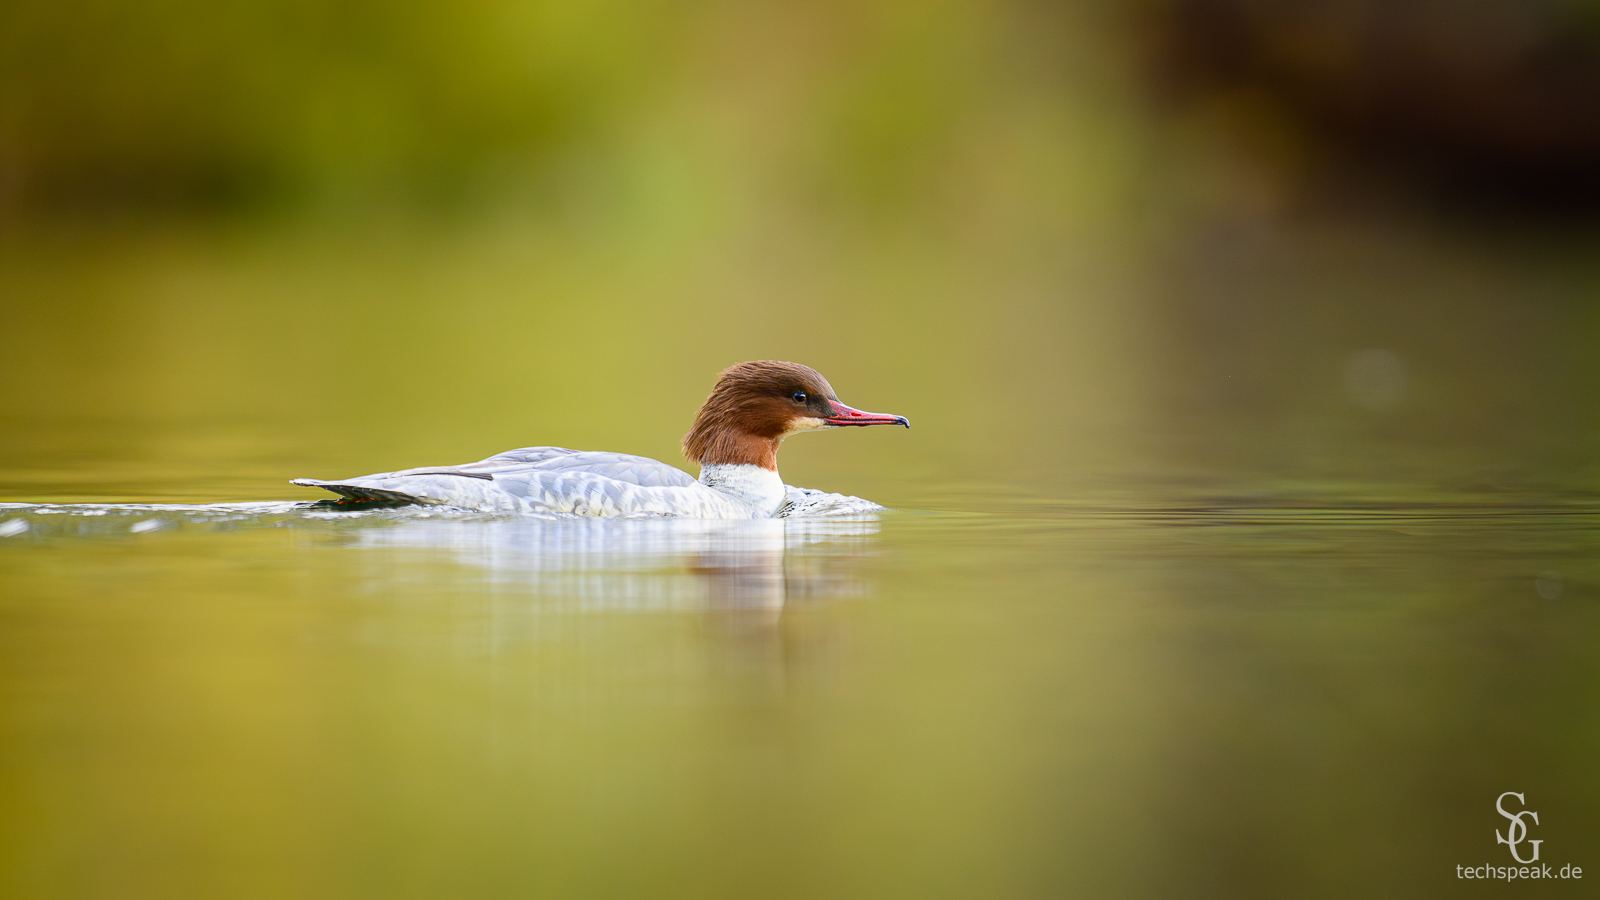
(1494,104)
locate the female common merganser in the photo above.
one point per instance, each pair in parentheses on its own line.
(735,439)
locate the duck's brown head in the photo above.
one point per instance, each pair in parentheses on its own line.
(755,405)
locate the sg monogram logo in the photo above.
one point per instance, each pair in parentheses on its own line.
(1518,829)
(1516,833)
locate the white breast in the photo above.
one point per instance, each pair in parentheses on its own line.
(761,488)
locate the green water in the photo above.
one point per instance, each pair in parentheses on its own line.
(1252,571)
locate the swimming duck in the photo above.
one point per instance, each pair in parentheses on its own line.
(735,439)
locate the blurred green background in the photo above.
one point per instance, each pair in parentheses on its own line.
(352,235)
(314,238)
(1223,263)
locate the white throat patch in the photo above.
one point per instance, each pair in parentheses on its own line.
(761,488)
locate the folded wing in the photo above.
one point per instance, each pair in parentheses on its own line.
(545,479)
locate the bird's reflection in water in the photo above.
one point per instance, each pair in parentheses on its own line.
(738,577)
(646,564)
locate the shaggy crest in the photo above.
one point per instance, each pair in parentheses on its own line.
(751,410)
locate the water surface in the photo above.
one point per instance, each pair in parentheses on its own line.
(270,699)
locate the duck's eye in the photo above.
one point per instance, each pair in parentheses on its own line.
(799,396)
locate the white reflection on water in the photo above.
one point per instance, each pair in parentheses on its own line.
(648,564)
(576,564)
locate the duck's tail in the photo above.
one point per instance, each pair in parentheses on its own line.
(358,492)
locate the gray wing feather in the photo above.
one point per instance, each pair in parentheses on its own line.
(639,470)
(531,455)
(552,478)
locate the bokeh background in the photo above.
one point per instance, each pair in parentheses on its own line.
(1335,254)
(240,243)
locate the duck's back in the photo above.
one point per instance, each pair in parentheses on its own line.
(639,470)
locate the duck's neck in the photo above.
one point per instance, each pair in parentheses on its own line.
(756,485)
